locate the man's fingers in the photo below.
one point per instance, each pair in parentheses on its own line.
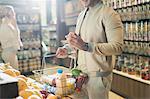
(72,35)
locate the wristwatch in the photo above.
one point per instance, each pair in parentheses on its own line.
(86,47)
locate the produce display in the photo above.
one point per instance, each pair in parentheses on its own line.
(55,86)
(27,87)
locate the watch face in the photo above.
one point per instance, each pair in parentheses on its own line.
(86,47)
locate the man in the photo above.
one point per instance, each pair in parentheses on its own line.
(98,37)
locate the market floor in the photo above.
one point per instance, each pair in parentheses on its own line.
(114,96)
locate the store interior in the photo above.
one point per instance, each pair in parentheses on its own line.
(43,25)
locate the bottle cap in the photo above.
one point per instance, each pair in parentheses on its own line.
(59,71)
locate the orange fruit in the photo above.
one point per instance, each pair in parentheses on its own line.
(7,66)
(19,97)
(23,77)
(26,93)
(35,86)
(22,85)
(10,72)
(51,96)
(34,97)
(37,92)
(16,72)
(1,68)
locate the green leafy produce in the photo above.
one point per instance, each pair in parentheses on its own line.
(76,72)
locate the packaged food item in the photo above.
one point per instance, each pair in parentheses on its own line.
(61,83)
(50,79)
(145,74)
(119,63)
(131,70)
(137,71)
(148,30)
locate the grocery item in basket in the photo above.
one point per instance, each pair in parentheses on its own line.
(80,80)
(61,83)
(70,85)
(76,72)
(52,86)
(50,79)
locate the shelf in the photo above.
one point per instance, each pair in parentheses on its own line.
(137,41)
(28,23)
(30,58)
(72,25)
(132,5)
(138,20)
(136,54)
(25,27)
(52,31)
(24,49)
(132,77)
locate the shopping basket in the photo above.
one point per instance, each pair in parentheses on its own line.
(43,75)
(72,82)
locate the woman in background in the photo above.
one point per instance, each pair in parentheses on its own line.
(9,36)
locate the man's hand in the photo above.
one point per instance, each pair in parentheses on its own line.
(61,53)
(76,41)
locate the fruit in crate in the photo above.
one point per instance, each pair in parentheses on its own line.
(34,97)
(35,86)
(19,97)
(37,92)
(26,93)
(1,68)
(10,72)
(75,72)
(51,96)
(44,94)
(23,77)
(6,66)
(22,85)
(16,72)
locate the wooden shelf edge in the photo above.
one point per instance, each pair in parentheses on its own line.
(131,77)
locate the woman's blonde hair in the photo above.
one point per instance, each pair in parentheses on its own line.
(5,11)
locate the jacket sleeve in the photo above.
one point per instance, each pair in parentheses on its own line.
(114,34)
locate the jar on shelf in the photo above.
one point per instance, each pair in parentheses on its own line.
(119,63)
(139,12)
(138,72)
(145,74)
(124,69)
(131,70)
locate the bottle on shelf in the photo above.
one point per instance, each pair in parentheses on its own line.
(134,65)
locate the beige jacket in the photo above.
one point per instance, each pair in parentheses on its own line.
(104,42)
(9,35)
